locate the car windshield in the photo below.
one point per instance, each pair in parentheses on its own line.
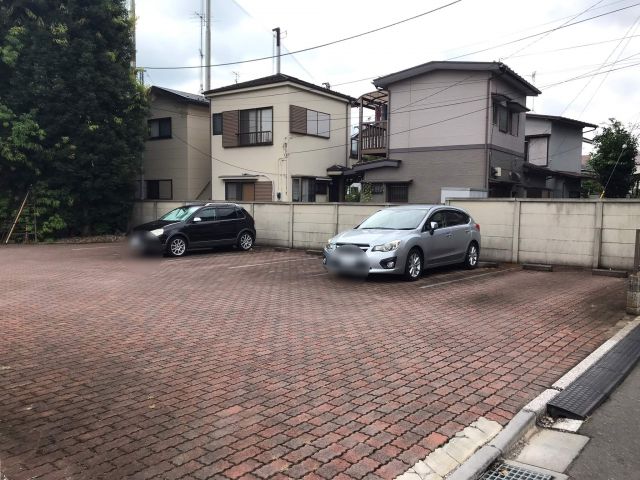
(394,219)
(180,213)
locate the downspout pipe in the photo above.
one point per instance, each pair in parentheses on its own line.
(486,135)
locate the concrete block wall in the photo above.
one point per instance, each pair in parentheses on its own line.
(587,233)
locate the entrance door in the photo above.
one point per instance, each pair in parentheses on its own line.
(248,192)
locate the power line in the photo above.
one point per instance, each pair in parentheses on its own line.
(551,31)
(546,31)
(315,47)
(572,47)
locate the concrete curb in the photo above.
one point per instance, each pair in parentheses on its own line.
(525,419)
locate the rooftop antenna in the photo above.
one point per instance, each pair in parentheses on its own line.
(236,76)
(277,31)
(533,99)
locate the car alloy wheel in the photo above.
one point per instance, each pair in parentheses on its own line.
(177,247)
(246,241)
(472,256)
(413,269)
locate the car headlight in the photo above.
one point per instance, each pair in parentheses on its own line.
(330,245)
(157,232)
(387,247)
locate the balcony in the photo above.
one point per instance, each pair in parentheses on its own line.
(255,138)
(373,138)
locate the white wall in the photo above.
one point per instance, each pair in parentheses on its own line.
(271,162)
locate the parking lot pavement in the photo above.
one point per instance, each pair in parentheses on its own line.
(258,364)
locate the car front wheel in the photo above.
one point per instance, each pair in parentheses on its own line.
(245,242)
(471,259)
(177,247)
(413,268)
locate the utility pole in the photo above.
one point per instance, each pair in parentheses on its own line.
(277,30)
(207,47)
(132,14)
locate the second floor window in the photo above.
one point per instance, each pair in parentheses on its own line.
(309,122)
(256,126)
(159,128)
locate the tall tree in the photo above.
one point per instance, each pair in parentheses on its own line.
(72,112)
(613,160)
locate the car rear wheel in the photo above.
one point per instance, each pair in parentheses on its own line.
(471,258)
(245,242)
(413,267)
(177,247)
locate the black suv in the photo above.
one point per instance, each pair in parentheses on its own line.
(194,227)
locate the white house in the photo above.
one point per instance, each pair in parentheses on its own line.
(273,138)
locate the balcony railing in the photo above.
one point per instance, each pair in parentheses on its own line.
(373,137)
(255,138)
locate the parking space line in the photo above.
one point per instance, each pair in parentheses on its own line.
(319,274)
(275,261)
(469,278)
(91,248)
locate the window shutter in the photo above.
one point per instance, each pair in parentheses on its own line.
(230,128)
(297,119)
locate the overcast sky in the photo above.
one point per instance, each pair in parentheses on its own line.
(168,34)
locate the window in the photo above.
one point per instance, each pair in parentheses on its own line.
(321,187)
(318,123)
(303,190)
(454,218)
(513,125)
(309,122)
(256,127)
(437,217)
(216,124)
(503,118)
(398,193)
(226,213)
(179,214)
(207,214)
(159,189)
(159,128)
(239,191)
(377,188)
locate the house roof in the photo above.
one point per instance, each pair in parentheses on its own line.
(556,118)
(495,67)
(275,79)
(182,96)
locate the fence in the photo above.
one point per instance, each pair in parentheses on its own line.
(589,233)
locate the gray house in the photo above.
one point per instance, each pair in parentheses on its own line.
(444,129)
(553,154)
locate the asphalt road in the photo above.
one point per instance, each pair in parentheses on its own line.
(614,450)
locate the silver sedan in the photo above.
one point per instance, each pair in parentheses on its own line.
(406,240)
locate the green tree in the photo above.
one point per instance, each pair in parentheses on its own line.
(71,112)
(613,160)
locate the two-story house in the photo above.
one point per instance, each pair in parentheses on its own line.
(553,154)
(274,138)
(176,158)
(444,129)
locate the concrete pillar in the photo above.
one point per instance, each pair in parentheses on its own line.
(597,235)
(515,235)
(633,294)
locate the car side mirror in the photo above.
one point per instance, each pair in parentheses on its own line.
(197,219)
(432,227)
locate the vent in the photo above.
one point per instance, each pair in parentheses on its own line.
(504,471)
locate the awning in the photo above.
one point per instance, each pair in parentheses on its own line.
(239,178)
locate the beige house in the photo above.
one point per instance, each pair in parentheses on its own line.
(276,139)
(177,158)
(444,129)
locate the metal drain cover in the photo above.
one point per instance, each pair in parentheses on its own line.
(505,471)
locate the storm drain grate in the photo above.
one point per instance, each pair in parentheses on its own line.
(511,472)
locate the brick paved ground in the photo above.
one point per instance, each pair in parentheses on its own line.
(193,368)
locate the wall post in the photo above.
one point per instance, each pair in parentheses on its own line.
(515,240)
(337,210)
(597,234)
(291,212)
(155,210)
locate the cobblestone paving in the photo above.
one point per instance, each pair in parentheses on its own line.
(258,365)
